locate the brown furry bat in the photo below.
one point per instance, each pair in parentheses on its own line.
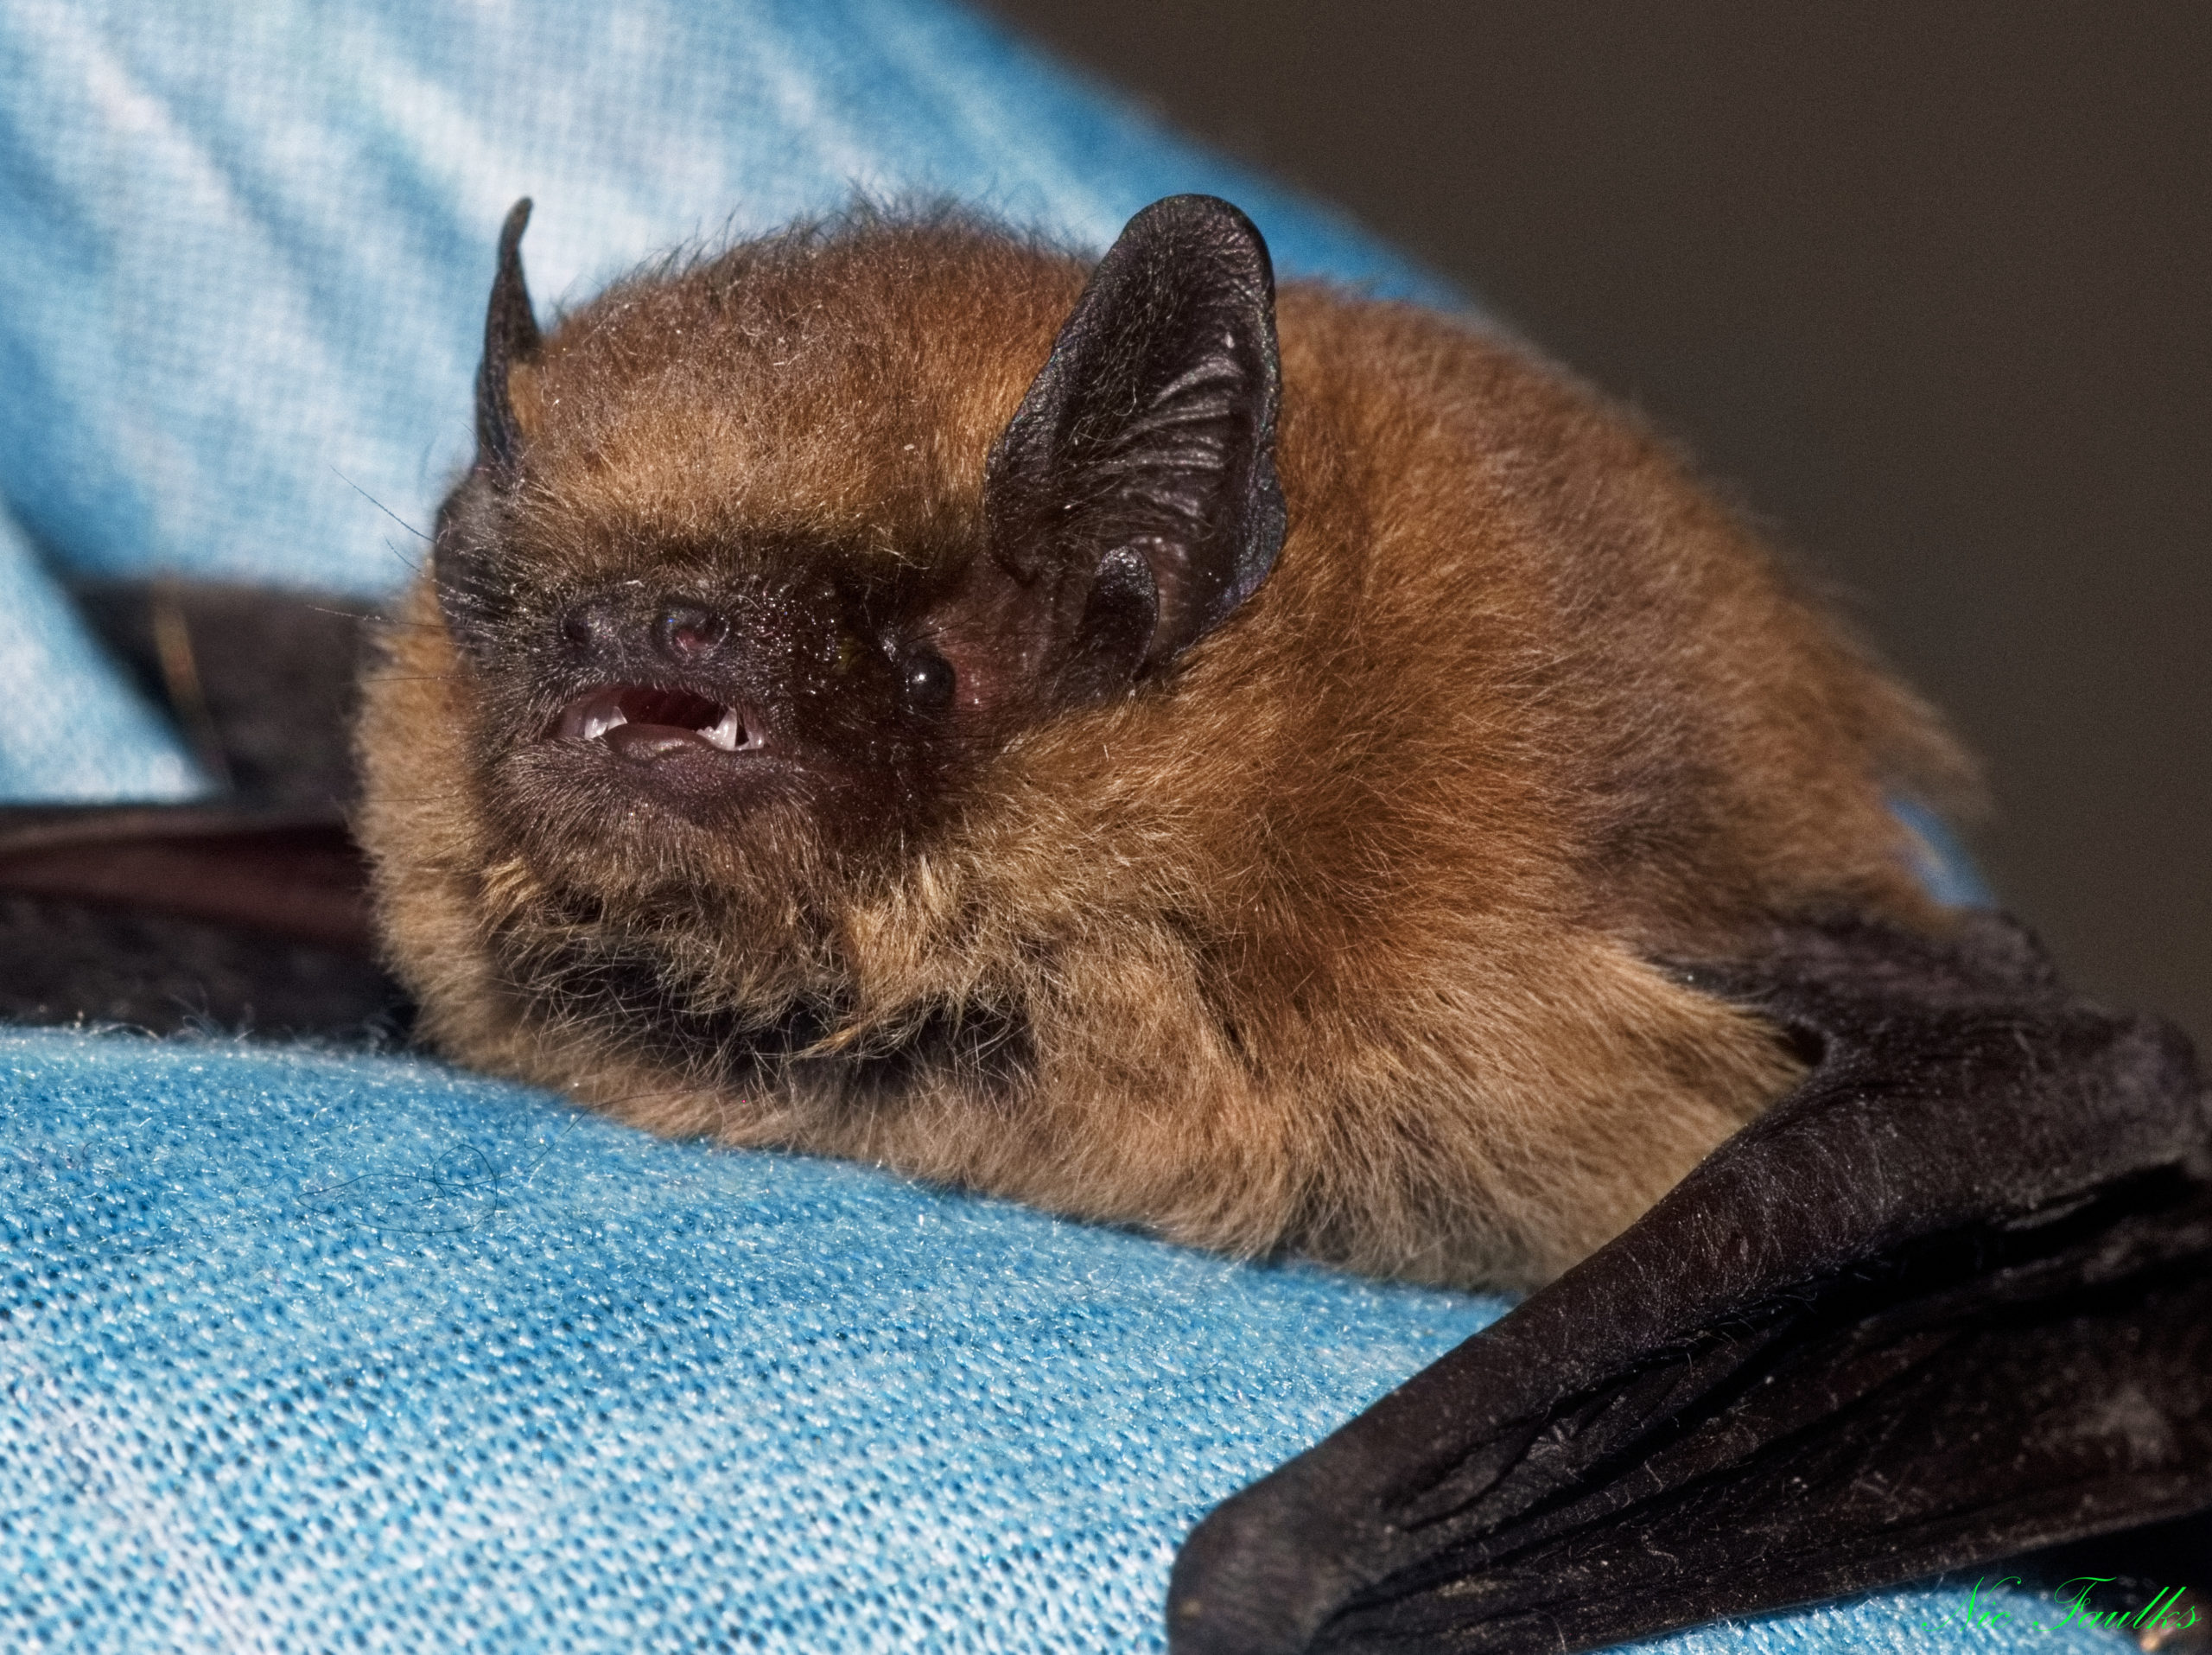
(887,690)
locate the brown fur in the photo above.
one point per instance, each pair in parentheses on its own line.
(1338,941)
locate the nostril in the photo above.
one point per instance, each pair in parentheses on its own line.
(589,623)
(686,633)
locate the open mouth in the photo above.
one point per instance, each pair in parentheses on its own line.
(638,722)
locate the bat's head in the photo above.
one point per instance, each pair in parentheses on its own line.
(760,559)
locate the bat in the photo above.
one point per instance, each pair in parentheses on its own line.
(1297,775)
(1117,741)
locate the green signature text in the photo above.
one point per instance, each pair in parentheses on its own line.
(2168,1613)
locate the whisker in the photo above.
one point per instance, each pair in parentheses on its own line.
(379,504)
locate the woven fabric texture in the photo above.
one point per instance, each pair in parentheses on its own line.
(306,1352)
(74,729)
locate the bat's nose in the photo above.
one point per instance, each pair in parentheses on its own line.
(612,625)
(597,624)
(687,634)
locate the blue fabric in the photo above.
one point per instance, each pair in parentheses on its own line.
(304,1353)
(1940,861)
(296,1349)
(71,728)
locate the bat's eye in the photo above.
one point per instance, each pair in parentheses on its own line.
(926,679)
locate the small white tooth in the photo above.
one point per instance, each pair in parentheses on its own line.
(599,724)
(727,733)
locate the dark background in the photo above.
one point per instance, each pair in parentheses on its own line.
(1930,284)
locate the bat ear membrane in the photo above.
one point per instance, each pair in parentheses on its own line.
(511,337)
(511,340)
(1134,491)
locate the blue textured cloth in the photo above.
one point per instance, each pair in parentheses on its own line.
(296,1350)
(72,728)
(302,1353)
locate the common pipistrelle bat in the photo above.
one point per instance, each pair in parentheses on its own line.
(1251,766)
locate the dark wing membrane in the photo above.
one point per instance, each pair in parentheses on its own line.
(1950,1301)
(262,683)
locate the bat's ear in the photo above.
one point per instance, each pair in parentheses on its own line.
(511,340)
(1134,495)
(511,337)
